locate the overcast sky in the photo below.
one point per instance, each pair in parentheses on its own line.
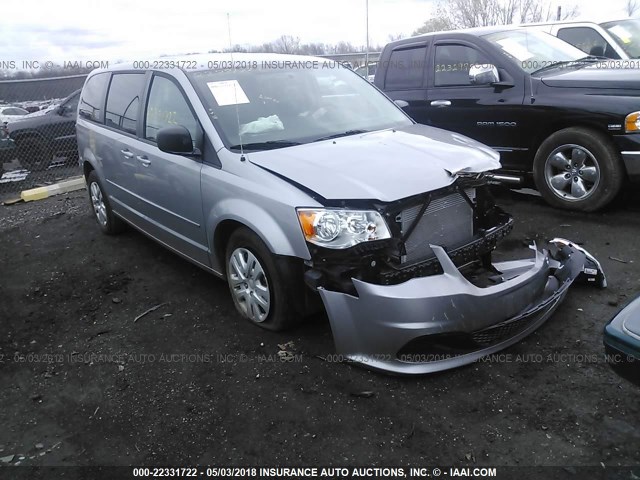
(118,29)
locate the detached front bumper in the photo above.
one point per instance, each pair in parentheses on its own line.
(443,321)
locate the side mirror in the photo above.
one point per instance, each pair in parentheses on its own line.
(175,139)
(483,74)
(61,110)
(401,103)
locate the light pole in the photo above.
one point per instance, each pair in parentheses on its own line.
(366,54)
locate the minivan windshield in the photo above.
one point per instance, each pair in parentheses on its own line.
(627,33)
(277,104)
(533,50)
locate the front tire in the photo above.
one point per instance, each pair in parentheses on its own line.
(260,284)
(578,169)
(102,212)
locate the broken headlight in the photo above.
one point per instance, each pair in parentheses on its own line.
(335,228)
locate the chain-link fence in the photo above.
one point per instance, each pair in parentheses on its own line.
(37,132)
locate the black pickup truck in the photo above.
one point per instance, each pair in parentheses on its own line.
(567,123)
(40,137)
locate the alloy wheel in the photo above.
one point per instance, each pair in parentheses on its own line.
(249,284)
(572,172)
(97,201)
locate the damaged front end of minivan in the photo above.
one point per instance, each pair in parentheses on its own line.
(427,296)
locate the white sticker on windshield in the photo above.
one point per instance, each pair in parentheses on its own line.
(514,48)
(228,92)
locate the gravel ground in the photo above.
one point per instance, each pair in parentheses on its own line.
(84,383)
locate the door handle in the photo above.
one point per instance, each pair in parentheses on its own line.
(126,153)
(440,103)
(143,160)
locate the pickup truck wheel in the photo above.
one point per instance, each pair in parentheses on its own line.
(108,222)
(33,154)
(258,285)
(578,169)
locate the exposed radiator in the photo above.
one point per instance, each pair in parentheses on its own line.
(447,221)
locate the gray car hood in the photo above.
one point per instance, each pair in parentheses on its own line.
(385,165)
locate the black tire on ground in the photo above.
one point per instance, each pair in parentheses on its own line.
(33,153)
(109,223)
(283,282)
(607,161)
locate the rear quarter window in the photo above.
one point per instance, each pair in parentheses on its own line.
(123,101)
(92,97)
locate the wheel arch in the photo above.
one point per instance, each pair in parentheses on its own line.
(221,237)
(87,168)
(233,214)
(560,125)
(90,163)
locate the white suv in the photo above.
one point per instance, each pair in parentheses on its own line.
(618,39)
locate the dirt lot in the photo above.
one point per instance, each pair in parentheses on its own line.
(82,383)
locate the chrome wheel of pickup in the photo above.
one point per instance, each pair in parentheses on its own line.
(97,201)
(578,168)
(249,285)
(572,172)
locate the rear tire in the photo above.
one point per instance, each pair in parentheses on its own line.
(261,285)
(578,169)
(108,222)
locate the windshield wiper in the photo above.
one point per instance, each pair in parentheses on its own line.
(341,134)
(578,62)
(268,145)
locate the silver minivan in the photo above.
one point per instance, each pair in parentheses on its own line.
(305,187)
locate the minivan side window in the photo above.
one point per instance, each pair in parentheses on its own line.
(452,64)
(123,101)
(587,40)
(406,68)
(167,106)
(91,103)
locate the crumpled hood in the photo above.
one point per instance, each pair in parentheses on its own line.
(595,77)
(385,165)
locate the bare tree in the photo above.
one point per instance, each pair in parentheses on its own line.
(632,7)
(313,49)
(439,22)
(436,24)
(473,13)
(571,11)
(480,13)
(287,44)
(397,36)
(506,13)
(343,47)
